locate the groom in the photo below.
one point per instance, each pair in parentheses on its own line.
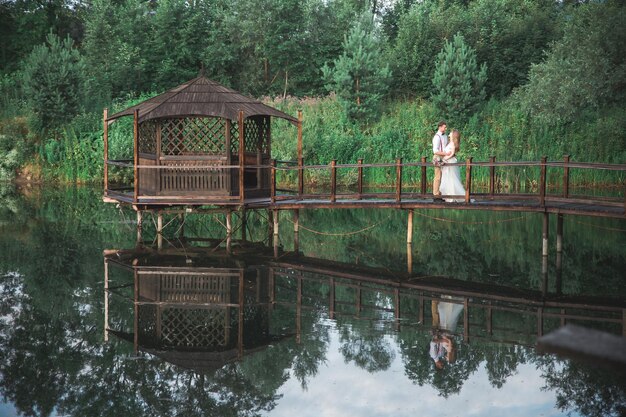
(440,140)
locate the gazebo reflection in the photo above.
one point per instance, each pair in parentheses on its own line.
(196,312)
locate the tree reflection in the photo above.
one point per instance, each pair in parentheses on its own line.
(589,390)
(368,349)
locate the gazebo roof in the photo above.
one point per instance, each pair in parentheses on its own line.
(200,97)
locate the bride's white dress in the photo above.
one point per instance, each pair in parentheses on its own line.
(451,177)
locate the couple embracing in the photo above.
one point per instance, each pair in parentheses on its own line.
(447,177)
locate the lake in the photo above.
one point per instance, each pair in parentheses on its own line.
(353,323)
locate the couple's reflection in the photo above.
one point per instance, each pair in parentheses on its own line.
(445,317)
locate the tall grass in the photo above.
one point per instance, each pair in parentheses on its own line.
(404,130)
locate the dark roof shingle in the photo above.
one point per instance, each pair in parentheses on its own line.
(200,97)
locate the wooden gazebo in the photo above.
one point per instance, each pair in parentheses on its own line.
(198,143)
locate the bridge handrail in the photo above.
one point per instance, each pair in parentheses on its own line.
(399,165)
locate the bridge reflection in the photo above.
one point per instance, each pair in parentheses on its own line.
(201,308)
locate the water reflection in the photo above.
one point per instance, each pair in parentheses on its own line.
(321,338)
(209,311)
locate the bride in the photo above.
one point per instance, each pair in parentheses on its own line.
(451,175)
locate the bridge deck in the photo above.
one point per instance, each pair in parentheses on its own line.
(518,203)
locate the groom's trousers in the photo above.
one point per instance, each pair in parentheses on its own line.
(437,181)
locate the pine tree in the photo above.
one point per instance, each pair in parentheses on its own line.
(359,77)
(459,83)
(53,83)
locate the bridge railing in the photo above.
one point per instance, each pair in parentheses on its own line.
(534,180)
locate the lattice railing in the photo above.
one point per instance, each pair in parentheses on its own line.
(147,137)
(195,288)
(193,136)
(234,138)
(256,133)
(193,328)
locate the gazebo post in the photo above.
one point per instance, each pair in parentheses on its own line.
(136,152)
(242,148)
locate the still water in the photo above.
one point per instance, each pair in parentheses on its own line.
(353,324)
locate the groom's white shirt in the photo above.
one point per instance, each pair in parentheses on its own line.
(440,141)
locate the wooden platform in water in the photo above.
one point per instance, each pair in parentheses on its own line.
(513,202)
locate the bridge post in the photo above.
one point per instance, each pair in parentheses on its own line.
(106,300)
(396,302)
(229,230)
(468,179)
(139,226)
(544,234)
(333,180)
(360,179)
(331,299)
(409,228)
(273,182)
(565,176)
(492,175)
(559,233)
(181,229)
(423,178)
(559,274)
(296,230)
(409,258)
(544,275)
(159,230)
(398,180)
(466,323)
(542,183)
(275,218)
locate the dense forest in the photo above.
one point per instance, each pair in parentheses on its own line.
(519,78)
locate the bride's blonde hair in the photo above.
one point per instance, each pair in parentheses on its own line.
(455,136)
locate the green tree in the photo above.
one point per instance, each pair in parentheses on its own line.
(360,77)
(421,34)
(459,83)
(585,70)
(53,79)
(115,48)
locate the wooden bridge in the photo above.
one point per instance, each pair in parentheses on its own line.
(548,189)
